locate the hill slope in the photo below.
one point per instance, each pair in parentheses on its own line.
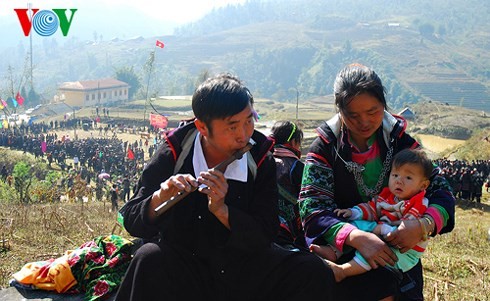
(422,50)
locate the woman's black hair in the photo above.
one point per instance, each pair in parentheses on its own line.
(356,79)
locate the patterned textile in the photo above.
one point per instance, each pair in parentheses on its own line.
(328,184)
(389,209)
(289,171)
(95,268)
(317,191)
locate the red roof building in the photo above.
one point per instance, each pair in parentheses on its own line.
(92,92)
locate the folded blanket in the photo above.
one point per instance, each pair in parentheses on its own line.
(95,268)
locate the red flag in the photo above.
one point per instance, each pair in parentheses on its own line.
(19,98)
(160,44)
(130,154)
(158,121)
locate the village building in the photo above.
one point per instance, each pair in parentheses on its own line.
(407,113)
(89,93)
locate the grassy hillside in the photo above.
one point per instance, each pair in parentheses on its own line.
(435,50)
(447,121)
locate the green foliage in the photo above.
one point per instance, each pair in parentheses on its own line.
(31,178)
(129,76)
(33,98)
(47,190)
(22,181)
(203,75)
(7,194)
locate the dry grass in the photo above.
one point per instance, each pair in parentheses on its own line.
(437,144)
(457,265)
(40,232)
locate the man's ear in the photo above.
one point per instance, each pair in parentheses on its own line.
(201,127)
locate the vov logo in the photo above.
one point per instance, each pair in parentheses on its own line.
(45,22)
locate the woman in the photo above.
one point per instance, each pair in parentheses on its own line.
(349,163)
(287,154)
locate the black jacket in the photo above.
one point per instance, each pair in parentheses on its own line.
(253,213)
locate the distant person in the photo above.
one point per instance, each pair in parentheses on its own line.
(4,173)
(403,199)
(476,185)
(114,196)
(289,170)
(487,182)
(76,161)
(465,180)
(126,183)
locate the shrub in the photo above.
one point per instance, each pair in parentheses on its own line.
(22,181)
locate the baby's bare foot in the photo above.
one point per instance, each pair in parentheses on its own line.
(325,252)
(338,270)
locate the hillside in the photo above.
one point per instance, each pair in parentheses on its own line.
(447,121)
(423,51)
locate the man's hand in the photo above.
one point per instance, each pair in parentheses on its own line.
(171,187)
(216,190)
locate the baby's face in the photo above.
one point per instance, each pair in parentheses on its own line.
(407,180)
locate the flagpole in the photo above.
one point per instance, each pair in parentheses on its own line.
(151,59)
(29,5)
(5,109)
(11,85)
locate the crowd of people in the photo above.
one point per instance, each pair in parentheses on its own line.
(466,178)
(99,160)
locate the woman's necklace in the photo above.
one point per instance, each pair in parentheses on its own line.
(356,169)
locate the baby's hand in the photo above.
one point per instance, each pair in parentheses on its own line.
(346,213)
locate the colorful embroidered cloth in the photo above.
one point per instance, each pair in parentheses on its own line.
(95,268)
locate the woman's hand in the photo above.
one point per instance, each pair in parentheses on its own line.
(406,236)
(372,248)
(346,213)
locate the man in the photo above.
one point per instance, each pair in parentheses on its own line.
(126,187)
(216,243)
